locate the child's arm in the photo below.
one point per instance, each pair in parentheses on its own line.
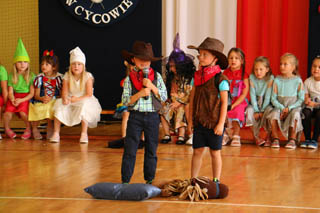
(127,99)
(253,97)
(191,106)
(160,91)
(4,87)
(26,98)
(89,92)
(218,130)
(274,97)
(10,94)
(300,100)
(267,96)
(65,92)
(243,94)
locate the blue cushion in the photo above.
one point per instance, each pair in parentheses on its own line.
(117,191)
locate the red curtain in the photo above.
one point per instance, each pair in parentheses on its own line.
(272,28)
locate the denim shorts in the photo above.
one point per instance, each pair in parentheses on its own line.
(204,137)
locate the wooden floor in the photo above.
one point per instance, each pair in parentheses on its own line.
(37,176)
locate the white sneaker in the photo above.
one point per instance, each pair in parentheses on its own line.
(189,141)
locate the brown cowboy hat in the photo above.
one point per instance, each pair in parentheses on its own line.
(140,50)
(216,47)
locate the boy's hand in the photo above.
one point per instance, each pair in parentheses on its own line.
(145,92)
(147,82)
(257,115)
(312,104)
(218,130)
(73,99)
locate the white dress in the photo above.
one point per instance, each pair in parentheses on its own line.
(87,109)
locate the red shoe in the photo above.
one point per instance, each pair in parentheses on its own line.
(26,135)
(10,133)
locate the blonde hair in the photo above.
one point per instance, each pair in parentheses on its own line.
(72,81)
(26,76)
(294,61)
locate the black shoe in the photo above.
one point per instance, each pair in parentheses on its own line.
(117,144)
(180,141)
(166,139)
(141,144)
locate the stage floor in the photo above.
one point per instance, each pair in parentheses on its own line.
(38,176)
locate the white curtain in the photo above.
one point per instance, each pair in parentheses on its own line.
(197,19)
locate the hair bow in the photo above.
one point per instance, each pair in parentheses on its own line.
(48,53)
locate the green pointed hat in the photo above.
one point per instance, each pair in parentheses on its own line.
(21,53)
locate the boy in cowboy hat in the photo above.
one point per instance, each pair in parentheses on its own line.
(143,92)
(208,105)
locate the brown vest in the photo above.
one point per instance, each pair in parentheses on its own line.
(206,104)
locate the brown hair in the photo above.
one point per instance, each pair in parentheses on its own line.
(243,57)
(53,60)
(265,61)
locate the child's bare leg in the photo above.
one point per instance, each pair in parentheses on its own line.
(24,117)
(196,161)
(186,113)
(236,134)
(7,116)
(125,118)
(236,128)
(84,132)
(56,130)
(35,131)
(292,137)
(49,128)
(142,136)
(6,120)
(182,131)
(274,132)
(27,131)
(165,126)
(216,163)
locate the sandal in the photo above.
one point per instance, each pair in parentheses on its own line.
(10,133)
(55,138)
(36,134)
(166,139)
(180,140)
(259,141)
(291,144)
(267,143)
(26,134)
(275,143)
(226,139)
(84,138)
(236,141)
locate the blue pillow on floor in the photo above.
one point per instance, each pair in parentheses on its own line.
(118,191)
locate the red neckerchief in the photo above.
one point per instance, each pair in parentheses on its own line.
(233,76)
(137,76)
(205,74)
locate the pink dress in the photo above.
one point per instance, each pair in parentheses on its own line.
(236,87)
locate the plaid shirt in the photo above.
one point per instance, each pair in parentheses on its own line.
(143,105)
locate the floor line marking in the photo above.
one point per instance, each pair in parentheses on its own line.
(162,153)
(169,201)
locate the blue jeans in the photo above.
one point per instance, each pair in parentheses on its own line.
(148,122)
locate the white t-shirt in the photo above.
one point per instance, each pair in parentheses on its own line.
(312,87)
